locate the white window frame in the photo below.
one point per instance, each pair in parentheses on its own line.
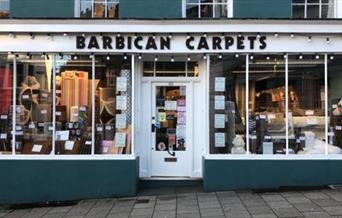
(320,4)
(229,7)
(78,6)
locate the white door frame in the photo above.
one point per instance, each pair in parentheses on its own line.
(188,154)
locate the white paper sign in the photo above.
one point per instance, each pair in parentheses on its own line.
(108,127)
(37,148)
(58,91)
(220,84)
(181,108)
(219,102)
(3,135)
(311,121)
(338,127)
(3,117)
(121,102)
(120,139)
(31,126)
(58,113)
(99,128)
(334,106)
(88,142)
(69,145)
(43,111)
(309,112)
(62,135)
(26,96)
(120,121)
(50,128)
(45,95)
(121,84)
(170,105)
(181,131)
(219,121)
(220,139)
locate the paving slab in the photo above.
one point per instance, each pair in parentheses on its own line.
(308,207)
(333,210)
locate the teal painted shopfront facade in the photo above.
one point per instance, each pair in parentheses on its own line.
(103,104)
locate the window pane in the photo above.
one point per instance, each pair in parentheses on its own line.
(99,10)
(112,10)
(113,107)
(206,1)
(313,1)
(267,129)
(193,70)
(298,11)
(170,69)
(4,8)
(298,1)
(335,105)
(227,105)
(86,8)
(34,104)
(192,11)
(220,10)
(306,104)
(6,103)
(312,11)
(192,1)
(206,11)
(148,68)
(73,104)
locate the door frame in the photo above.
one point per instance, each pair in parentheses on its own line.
(189,123)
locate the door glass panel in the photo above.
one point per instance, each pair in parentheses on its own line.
(170,118)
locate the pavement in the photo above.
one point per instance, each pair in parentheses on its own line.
(193,202)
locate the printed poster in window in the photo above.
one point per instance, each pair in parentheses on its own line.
(219,102)
(120,139)
(219,121)
(120,121)
(121,102)
(181,118)
(170,105)
(180,131)
(121,84)
(220,84)
(220,139)
(181,102)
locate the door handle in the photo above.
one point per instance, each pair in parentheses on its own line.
(153,127)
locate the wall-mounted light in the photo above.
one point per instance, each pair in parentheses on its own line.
(139,56)
(188,36)
(258,35)
(268,57)
(43,55)
(309,38)
(328,40)
(172,59)
(31,36)
(83,34)
(300,57)
(108,57)
(47,57)
(11,34)
(156,58)
(276,35)
(317,56)
(251,57)
(219,56)
(222,35)
(170,35)
(240,34)
(75,57)
(204,57)
(91,55)
(118,34)
(65,34)
(154,36)
(292,35)
(205,35)
(331,57)
(237,55)
(125,57)
(188,58)
(285,56)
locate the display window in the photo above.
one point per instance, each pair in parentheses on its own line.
(227,104)
(267,131)
(6,102)
(306,99)
(34,127)
(73,108)
(113,105)
(334,133)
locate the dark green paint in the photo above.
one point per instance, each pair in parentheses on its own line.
(31,181)
(150,9)
(42,8)
(260,174)
(262,8)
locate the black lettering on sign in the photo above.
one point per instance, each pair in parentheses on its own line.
(80,42)
(251,41)
(229,41)
(107,42)
(203,44)
(151,43)
(129,42)
(137,42)
(217,42)
(93,43)
(120,42)
(240,44)
(165,43)
(188,43)
(262,41)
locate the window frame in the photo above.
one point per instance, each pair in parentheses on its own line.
(228,4)
(93,2)
(320,5)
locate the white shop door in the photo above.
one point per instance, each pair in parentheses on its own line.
(171,122)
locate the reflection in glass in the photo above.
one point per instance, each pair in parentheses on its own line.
(73,104)
(206,10)
(227,105)
(192,11)
(267,128)
(86,9)
(6,102)
(335,104)
(298,11)
(34,104)
(306,103)
(99,9)
(113,108)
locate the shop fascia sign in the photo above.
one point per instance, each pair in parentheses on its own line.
(200,43)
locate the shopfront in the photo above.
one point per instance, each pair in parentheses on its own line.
(97,105)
